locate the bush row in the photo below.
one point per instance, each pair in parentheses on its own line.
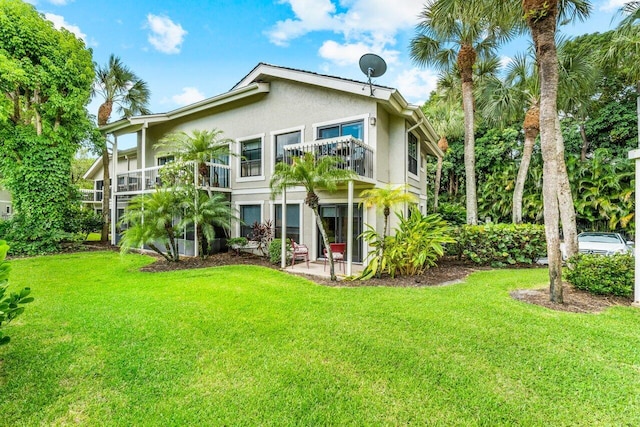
(499,244)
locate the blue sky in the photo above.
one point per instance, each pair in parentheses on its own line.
(191,49)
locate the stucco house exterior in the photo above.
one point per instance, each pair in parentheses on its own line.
(275,113)
(6,208)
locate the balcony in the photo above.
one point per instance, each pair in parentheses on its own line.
(90,196)
(216,176)
(352,153)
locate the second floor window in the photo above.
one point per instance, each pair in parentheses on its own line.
(286,139)
(413,154)
(251,160)
(355,129)
(164,160)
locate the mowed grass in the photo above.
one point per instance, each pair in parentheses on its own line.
(105,344)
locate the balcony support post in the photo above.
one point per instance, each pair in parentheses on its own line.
(349,227)
(283,234)
(114,189)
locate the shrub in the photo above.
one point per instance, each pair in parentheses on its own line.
(11,305)
(500,244)
(417,244)
(237,241)
(602,275)
(454,214)
(275,251)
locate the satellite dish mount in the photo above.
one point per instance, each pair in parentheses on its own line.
(372,66)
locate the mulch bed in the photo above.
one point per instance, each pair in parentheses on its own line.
(449,271)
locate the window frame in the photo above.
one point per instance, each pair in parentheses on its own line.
(240,141)
(345,120)
(274,136)
(239,206)
(410,158)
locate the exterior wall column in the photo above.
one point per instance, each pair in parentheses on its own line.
(114,189)
(283,233)
(635,155)
(144,155)
(196,246)
(350,228)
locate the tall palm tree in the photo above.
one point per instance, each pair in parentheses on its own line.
(313,174)
(201,146)
(448,121)
(121,88)
(455,34)
(149,220)
(542,17)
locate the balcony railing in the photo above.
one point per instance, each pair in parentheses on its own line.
(217,175)
(91,195)
(352,153)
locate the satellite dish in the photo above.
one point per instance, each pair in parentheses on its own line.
(372,66)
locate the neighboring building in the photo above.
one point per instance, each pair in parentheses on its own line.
(273,114)
(6,209)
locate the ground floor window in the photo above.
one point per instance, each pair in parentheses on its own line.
(293,222)
(249,215)
(334,218)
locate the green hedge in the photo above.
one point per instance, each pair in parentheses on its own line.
(500,244)
(275,251)
(602,275)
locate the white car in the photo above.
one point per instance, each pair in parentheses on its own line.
(603,243)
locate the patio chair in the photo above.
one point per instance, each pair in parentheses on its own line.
(338,250)
(299,251)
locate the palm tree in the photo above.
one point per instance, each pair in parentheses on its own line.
(313,174)
(455,34)
(542,16)
(209,212)
(149,221)
(117,86)
(384,198)
(201,146)
(447,120)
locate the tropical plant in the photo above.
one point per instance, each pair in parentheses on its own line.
(12,304)
(116,86)
(416,245)
(149,221)
(201,146)
(207,213)
(453,35)
(313,174)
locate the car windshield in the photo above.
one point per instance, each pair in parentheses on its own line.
(599,238)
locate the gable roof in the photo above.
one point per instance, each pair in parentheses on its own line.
(257,81)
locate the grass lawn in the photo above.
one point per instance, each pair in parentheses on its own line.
(104,344)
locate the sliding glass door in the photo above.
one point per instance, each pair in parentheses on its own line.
(334,218)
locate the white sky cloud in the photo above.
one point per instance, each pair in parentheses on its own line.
(188,96)
(365,26)
(60,2)
(59,22)
(416,84)
(166,36)
(610,5)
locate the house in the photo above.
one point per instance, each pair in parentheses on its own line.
(275,113)
(6,208)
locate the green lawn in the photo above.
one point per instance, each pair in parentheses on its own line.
(104,344)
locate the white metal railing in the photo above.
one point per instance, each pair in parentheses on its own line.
(352,153)
(91,195)
(215,175)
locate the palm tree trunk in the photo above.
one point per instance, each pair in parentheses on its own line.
(469,154)
(325,240)
(541,18)
(106,195)
(567,208)
(585,143)
(436,189)
(531,130)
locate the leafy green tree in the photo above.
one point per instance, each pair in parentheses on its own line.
(117,86)
(45,82)
(452,34)
(149,221)
(313,174)
(12,304)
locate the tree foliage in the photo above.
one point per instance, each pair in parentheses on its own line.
(45,80)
